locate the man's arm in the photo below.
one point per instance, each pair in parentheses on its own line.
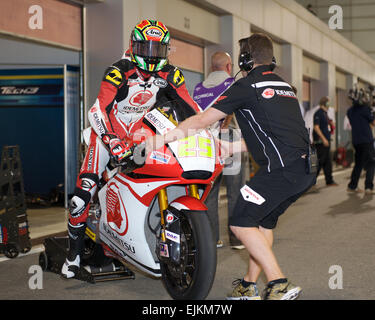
(186,128)
(227,121)
(321,135)
(224,105)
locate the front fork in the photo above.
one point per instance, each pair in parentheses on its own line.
(170,232)
(163,204)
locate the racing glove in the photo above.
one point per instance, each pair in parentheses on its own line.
(118,149)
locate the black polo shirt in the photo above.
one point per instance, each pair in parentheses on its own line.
(321,119)
(269,117)
(360,118)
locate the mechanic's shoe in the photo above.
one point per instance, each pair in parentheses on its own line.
(356,190)
(243,293)
(70,268)
(219,244)
(281,291)
(369,192)
(332,184)
(238,247)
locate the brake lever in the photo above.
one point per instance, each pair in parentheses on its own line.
(139,154)
(136,159)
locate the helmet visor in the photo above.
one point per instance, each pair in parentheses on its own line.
(150,49)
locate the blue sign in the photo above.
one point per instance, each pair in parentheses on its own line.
(32,87)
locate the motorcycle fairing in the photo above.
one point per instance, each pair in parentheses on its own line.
(195,152)
(122,221)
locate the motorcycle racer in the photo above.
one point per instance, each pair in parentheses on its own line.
(129,88)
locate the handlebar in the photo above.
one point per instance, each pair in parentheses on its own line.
(136,159)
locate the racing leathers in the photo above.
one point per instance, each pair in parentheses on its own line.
(126,93)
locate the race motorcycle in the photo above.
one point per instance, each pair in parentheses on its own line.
(150,212)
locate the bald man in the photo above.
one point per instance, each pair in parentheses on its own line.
(205,94)
(219,80)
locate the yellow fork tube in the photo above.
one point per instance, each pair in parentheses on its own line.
(163,205)
(193,188)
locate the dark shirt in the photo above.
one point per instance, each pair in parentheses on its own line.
(321,119)
(269,117)
(360,118)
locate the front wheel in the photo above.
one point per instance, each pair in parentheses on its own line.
(193,276)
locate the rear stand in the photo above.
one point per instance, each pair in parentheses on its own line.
(14,226)
(54,256)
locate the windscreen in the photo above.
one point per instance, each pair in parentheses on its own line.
(174,111)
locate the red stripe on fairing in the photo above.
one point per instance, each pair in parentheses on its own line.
(147,198)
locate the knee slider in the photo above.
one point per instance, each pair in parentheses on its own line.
(76,206)
(79,202)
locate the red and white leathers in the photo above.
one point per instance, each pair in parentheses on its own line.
(126,93)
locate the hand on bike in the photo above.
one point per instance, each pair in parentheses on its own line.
(118,149)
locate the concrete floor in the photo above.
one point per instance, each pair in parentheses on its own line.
(321,231)
(44,221)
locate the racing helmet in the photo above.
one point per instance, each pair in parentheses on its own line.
(149,45)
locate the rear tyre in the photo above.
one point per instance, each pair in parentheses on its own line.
(192,279)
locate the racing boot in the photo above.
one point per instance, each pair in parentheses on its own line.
(76,245)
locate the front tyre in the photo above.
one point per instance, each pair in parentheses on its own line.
(193,277)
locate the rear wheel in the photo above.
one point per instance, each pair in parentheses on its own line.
(193,277)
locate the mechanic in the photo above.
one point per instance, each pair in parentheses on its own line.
(269,117)
(205,94)
(130,87)
(322,140)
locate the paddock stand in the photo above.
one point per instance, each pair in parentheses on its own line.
(95,266)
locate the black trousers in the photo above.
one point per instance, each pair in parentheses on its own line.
(363,159)
(325,163)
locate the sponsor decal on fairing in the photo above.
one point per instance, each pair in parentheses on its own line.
(169,218)
(164,250)
(160,157)
(123,244)
(161,123)
(172,236)
(115,220)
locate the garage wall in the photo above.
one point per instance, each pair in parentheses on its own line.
(50,21)
(14,51)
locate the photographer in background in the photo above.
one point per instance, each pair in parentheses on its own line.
(361,120)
